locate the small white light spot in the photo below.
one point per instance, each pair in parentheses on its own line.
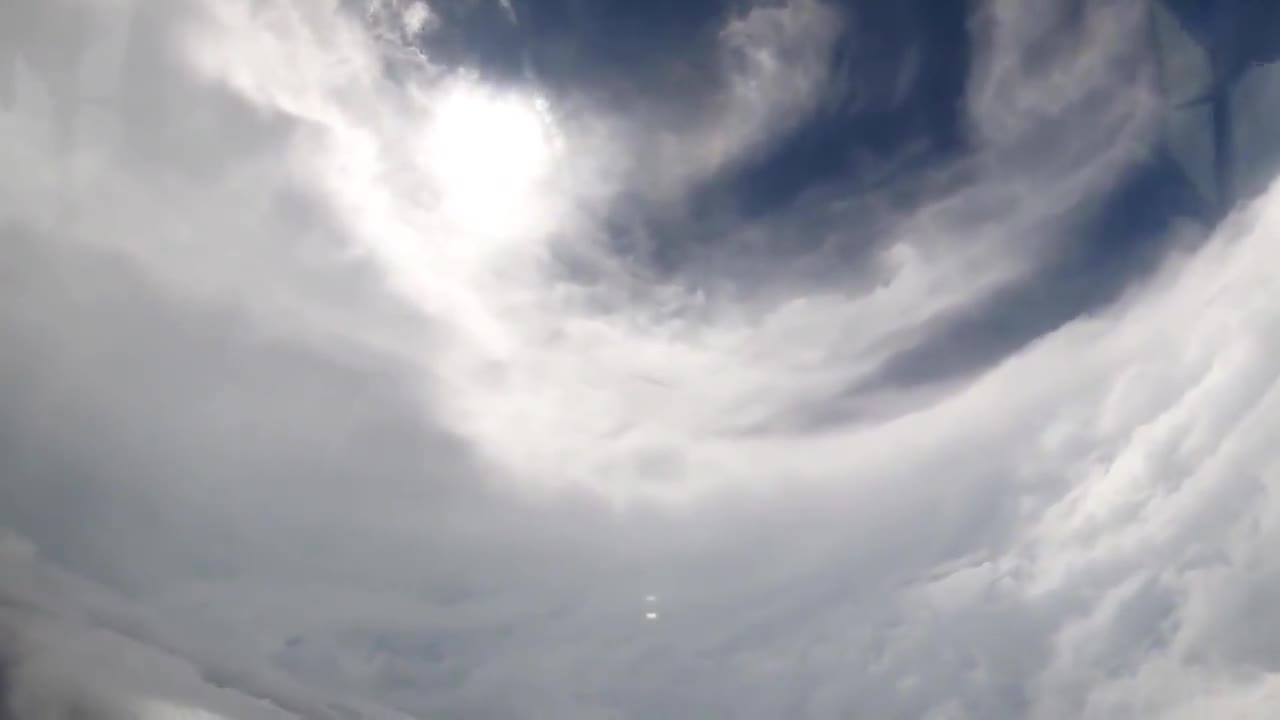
(651,599)
(651,616)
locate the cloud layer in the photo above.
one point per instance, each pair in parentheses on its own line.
(355,367)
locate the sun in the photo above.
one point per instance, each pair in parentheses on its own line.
(490,154)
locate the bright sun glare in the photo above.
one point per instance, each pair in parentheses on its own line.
(491,154)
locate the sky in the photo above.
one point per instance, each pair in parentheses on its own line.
(751,359)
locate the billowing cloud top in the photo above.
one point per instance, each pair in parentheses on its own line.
(546,359)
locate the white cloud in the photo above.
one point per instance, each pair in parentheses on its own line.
(322,423)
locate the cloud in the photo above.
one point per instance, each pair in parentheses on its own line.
(74,648)
(345,377)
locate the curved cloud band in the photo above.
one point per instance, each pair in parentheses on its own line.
(406,359)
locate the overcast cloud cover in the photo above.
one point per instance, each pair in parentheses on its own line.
(388,358)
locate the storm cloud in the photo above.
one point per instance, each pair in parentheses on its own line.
(813,359)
